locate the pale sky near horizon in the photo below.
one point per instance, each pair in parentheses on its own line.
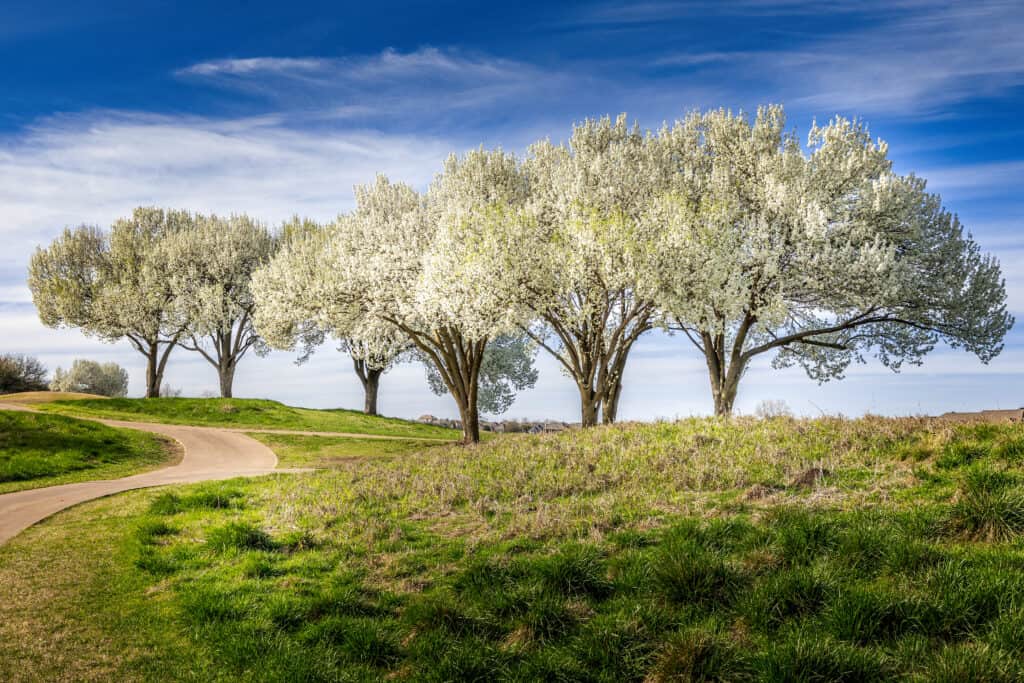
(275,109)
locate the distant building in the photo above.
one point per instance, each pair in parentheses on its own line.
(993,416)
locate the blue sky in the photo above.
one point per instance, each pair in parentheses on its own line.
(279,108)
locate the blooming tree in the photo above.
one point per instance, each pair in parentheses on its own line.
(824,255)
(574,256)
(114,285)
(409,263)
(290,315)
(211,264)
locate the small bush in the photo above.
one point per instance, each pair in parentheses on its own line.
(21,373)
(90,377)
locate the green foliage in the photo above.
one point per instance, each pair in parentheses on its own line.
(90,377)
(21,373)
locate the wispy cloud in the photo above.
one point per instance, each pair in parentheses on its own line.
(1001,179)
(424,85)
(256,65)
(91,169)
(915,60)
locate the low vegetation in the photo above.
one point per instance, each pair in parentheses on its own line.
(45,450)
(34,398)
(255,413)
(19,373)
(702,550)
(91,377)
(295,450)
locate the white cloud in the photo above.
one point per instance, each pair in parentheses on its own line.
(421,85)
(914,60)
(969,181)
(236,67)
(66,171)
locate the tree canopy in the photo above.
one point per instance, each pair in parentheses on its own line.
(824,255)
(210,265)
(114,285)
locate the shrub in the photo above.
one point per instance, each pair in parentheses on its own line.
(21,373)
(772,408)
(90,377)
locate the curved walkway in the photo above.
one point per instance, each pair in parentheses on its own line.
(210,454)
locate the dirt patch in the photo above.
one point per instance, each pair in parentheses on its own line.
(760,492)
(809,477)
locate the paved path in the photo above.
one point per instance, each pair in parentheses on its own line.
(210,454)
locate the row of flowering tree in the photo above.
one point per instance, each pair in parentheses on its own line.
(722,228)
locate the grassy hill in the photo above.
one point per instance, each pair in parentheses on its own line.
(238,412)
(45,450)
(35,398)
(775,550)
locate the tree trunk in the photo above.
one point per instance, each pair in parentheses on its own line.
(153,374)
(590,404)
(470,422)
(226,371)
(610,408)
(370,386)
(724,390)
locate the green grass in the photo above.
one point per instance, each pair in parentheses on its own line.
(295,450)
(45,450)
(630,553)
(236,412)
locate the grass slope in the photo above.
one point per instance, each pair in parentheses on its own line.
(237,412)
(701,550)
(45,450)
(318,451)
(27,398)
